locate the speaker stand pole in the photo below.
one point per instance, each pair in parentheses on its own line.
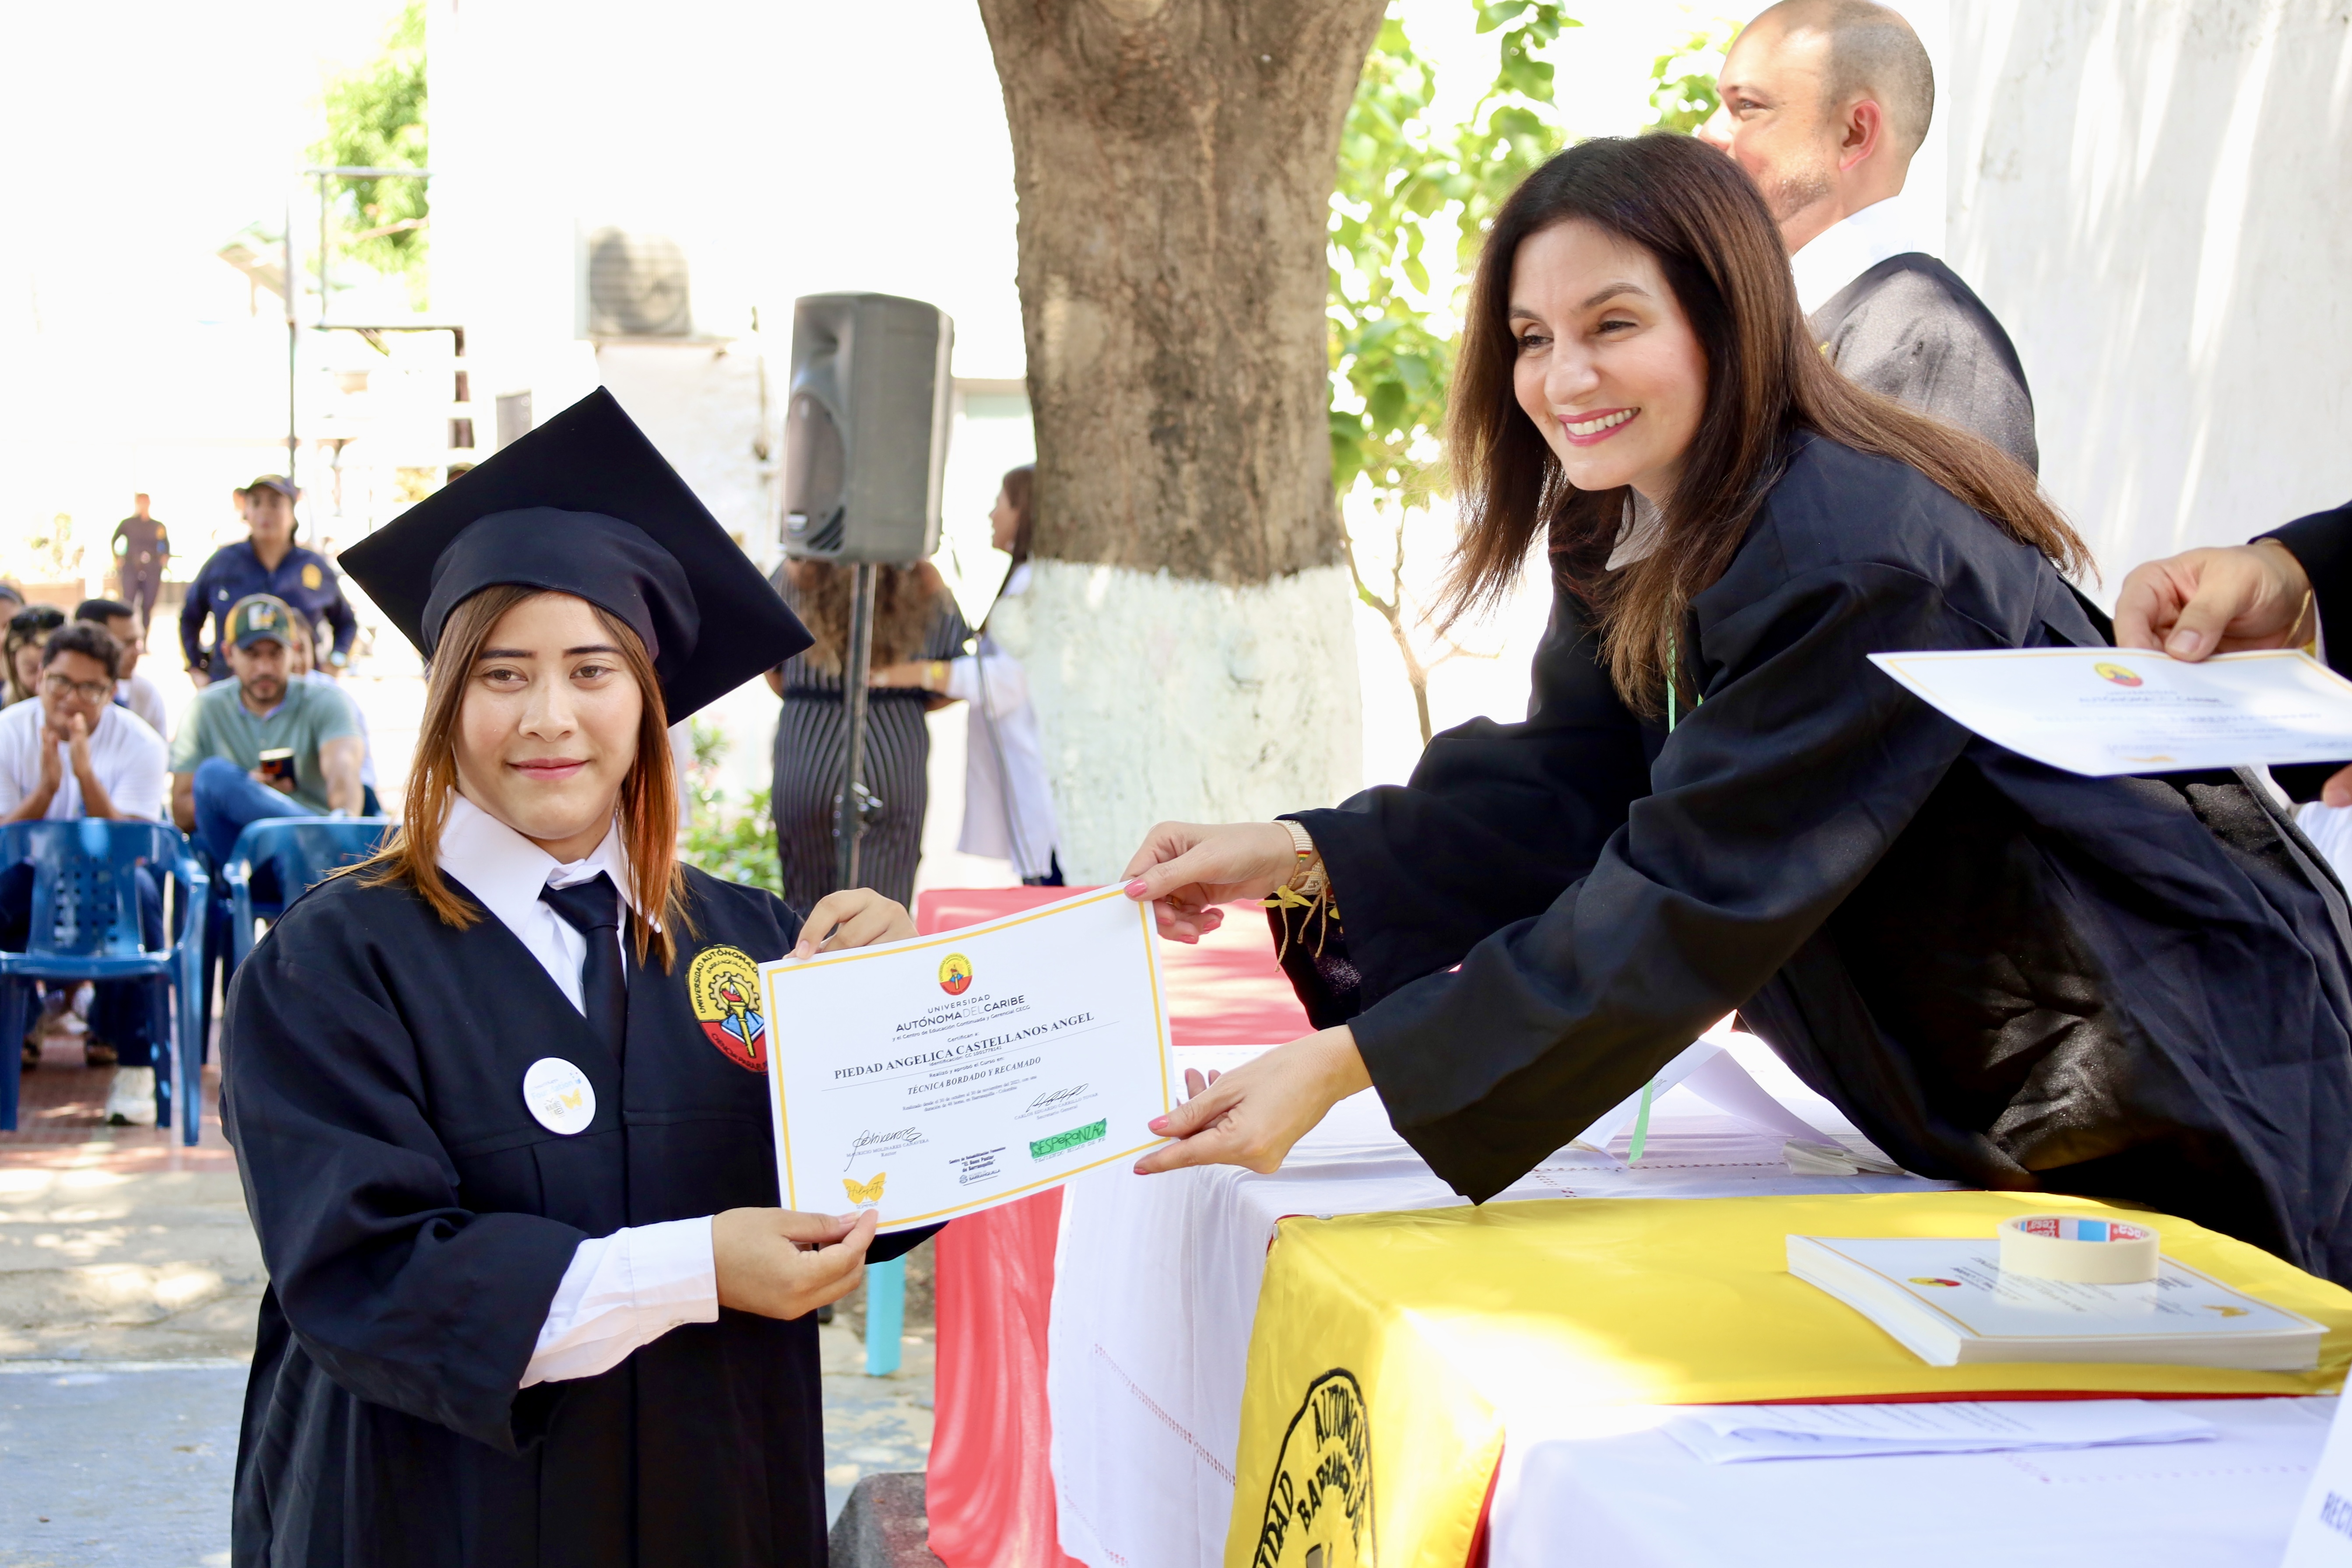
(850,813)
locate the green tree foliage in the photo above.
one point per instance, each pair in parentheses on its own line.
(1400,175)
(735,843)
(376,119)
(1405,183)
(1683,79)
(1401,178)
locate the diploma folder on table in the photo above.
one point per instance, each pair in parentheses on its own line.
(1948,1302)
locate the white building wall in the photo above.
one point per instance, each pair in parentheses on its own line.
(2152,195)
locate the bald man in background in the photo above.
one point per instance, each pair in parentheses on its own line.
(1824,103)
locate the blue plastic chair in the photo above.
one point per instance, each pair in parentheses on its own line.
(301,852)
(85,926)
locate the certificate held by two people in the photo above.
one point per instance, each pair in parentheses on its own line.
(946,1074)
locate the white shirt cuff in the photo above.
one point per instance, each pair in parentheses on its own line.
(625,1290)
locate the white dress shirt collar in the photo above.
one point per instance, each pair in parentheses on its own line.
(1857,243)
(505,872)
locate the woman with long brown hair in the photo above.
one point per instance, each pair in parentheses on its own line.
(499,1095)
(2004,974)
(917,634)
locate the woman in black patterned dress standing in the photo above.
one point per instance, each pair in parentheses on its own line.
(917,630)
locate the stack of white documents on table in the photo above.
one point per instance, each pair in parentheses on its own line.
(1950,1303)
(1734,1433)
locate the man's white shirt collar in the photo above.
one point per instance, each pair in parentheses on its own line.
(505,871)
(1857,243)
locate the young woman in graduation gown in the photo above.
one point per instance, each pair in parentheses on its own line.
(2006,975)
(498,1094)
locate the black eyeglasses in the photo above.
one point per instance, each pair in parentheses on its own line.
(36,618)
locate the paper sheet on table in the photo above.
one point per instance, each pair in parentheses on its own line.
(1734,1433)
(1358,1125)
(2104,712)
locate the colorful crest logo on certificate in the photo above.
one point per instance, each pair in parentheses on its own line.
(955,975)
(971,1067)
(724,986)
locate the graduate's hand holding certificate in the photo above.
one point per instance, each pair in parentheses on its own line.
(780,1264)
(946,1074)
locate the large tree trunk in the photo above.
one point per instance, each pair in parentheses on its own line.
(1189,623)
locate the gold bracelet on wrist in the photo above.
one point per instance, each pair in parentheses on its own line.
(1307,889)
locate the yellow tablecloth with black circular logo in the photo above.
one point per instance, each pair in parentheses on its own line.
(1384,1344)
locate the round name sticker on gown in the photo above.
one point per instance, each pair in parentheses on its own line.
(560,1095)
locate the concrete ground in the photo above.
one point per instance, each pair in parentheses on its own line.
(128,1281)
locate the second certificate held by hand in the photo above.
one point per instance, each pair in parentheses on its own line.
(946,1074)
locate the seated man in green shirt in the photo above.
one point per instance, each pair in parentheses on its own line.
(218,781)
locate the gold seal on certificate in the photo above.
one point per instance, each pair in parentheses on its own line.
(947,1074)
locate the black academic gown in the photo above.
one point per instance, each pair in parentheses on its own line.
(1910,330)
(416,1220)
(2322,545)
(2005,974)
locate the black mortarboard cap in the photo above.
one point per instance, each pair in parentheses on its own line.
(585,505)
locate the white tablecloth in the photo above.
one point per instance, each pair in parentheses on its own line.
(1157,1278)
(1631,1498)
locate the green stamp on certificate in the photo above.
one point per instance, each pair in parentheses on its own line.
(1061,1142)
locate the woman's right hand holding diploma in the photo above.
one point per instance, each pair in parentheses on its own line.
(1188,869)
(781,1263)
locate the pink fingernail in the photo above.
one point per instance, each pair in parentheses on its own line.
(1137,888)
(1157,1124)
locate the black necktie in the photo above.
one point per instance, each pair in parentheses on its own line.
(593,909)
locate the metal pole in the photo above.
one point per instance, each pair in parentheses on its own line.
(857,803)
(293,341)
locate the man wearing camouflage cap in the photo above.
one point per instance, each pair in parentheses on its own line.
(219,783)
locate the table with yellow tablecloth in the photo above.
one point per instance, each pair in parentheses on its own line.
(1388,1348)
(1158,1278)
(1156,1316)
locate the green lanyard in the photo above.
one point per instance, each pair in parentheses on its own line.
(1649,1089)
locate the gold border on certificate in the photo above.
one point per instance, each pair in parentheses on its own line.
(950,938)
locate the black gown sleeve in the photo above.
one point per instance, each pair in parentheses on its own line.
(404,1297)
(1495,822)
(1774,798)
(2322,545)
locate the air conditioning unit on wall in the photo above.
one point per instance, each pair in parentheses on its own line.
(633,285)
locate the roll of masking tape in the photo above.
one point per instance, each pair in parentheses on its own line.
(2079,1251)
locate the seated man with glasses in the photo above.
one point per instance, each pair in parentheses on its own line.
(303,733)
(76,753)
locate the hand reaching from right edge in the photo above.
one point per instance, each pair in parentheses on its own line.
(2203,602)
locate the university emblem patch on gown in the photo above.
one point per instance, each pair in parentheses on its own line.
(724,986)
